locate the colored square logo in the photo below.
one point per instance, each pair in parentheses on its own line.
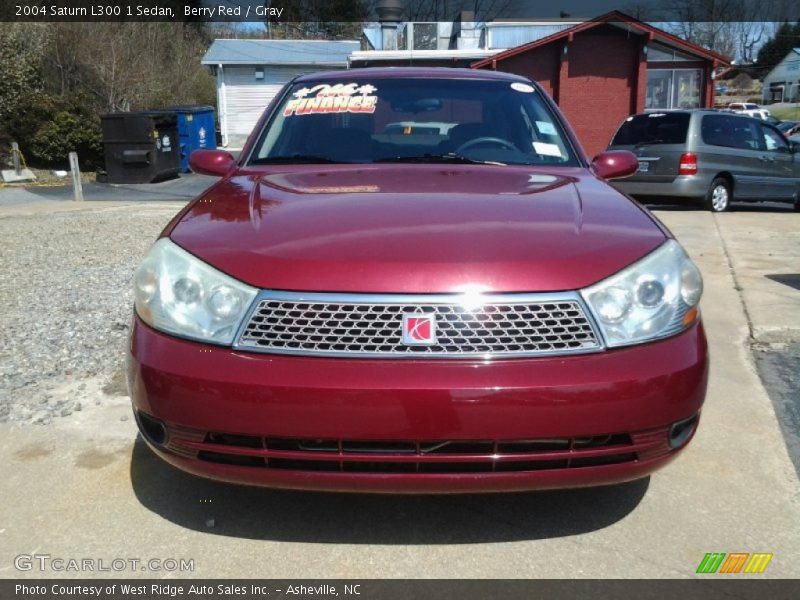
(419,330)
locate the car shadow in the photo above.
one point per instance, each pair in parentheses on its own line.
(755,207)
(333,518)
(790,279)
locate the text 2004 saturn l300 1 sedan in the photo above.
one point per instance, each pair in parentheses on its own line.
(414,281)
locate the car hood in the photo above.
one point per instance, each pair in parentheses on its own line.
(416,228)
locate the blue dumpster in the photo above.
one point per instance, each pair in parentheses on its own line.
(196,129)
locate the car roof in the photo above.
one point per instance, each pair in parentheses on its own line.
(690,111)
(700,111)
(410,72)
(687,111)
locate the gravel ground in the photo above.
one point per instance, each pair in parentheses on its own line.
(66,298)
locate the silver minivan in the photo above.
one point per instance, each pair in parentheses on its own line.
(711,156)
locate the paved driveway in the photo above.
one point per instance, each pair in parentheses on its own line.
(84,486)
(183,188)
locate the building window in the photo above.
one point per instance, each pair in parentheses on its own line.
(673,89)
(659,53)
(426,36)
(418,36)
(782,91)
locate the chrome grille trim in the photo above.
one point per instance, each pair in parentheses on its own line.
(342,325)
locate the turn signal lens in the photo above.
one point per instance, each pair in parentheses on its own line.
(688,164)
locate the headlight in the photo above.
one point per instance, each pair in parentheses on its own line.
(653,298)
(177,293)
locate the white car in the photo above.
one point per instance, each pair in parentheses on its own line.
(749,109)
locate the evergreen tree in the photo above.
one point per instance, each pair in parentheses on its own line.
(775,49)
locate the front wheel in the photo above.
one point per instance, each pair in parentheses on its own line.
(718,198)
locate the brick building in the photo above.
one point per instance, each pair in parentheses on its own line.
(603,70)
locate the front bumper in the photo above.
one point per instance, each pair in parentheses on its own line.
(412,425)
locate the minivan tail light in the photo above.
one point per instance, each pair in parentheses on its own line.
(688,164)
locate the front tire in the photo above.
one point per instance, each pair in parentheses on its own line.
(719,196)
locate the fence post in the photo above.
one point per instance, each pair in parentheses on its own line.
(75,171)
(15,157)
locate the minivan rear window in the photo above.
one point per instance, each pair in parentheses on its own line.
(653,128)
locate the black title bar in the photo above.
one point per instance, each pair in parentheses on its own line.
(412,10)
(710,587)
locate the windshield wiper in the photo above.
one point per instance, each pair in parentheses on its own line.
(449,157)
(295,158)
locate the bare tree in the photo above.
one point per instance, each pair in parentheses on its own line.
(734,28)
(706,23)
(447,10)
(234,30)
(749,36)
(742,82)
(642,10)
(319,19)
(128,65)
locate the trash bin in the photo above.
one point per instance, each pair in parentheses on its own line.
(141,147)
(196,128)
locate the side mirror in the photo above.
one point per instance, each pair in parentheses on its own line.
(794,147)
(211,162)
(615,163)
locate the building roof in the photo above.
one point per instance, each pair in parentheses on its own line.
(768,73)
(612,18)
(280,52)
(421,55)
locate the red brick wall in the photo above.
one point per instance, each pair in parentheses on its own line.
(600,88)
(597,94)
(541,65)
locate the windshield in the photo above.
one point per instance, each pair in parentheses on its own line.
(402,119)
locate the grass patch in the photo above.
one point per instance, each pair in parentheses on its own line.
(786,113)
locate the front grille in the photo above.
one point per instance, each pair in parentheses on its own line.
(366,325)
(420,456)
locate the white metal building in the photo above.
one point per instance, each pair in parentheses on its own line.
(782,84)
(250,72)
(456,44)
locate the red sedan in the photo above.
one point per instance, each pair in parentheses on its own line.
(413,280)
